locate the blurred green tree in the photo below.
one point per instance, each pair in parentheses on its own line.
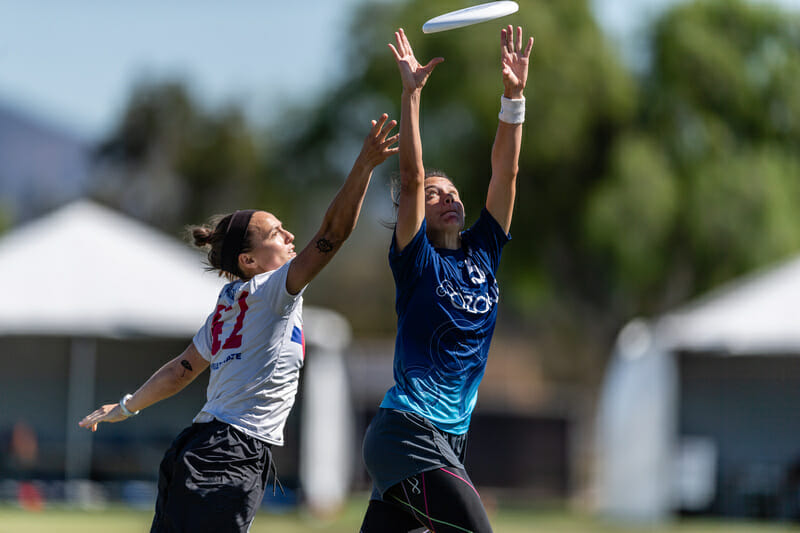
(720,115)
(170,162)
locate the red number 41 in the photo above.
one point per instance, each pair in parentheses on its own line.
(235,339)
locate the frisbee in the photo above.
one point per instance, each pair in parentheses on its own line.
(469,16)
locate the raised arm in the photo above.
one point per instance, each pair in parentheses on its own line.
(166,381)
(411,210)
(342,214)
(508,140)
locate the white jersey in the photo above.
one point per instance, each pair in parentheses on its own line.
(255,344)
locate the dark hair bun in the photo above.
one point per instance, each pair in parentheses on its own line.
(201,235)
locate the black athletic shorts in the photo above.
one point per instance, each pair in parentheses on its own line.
(212,478)
(399,444)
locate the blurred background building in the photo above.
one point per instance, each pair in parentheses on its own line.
(698,406)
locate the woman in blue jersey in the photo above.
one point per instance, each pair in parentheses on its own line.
(213,476)
(446,304)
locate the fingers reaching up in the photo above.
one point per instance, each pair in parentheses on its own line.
(514,61)
(412,72)
(378,144)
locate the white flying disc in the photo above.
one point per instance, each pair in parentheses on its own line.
(470,15)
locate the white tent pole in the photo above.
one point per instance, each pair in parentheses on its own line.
(80,401)
(326,433)
(637,428)
(326,422)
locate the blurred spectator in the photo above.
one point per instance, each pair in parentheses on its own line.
(23,453)
(23,448)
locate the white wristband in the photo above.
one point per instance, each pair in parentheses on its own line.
(512,111)
(125,411)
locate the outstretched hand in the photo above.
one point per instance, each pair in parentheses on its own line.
(413,74)
(514,61)
(107,413)
(377,146)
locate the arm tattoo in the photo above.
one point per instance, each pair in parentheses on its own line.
(185,364)
(324,245)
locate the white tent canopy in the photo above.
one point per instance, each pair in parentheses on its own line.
(83,270)
(757,314)
(638,449)
(87,272)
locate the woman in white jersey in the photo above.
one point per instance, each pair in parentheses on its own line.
(213,476)
(446,305)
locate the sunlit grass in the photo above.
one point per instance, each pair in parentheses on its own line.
(120,519)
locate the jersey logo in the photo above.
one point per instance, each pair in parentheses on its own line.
(479,303)
(231,357)
(475,273)
(234,340)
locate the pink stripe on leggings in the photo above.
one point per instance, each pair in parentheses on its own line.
(425,499)
(462,479)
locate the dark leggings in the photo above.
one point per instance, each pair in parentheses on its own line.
(440,501)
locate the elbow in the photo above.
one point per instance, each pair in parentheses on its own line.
(410,182)
(337,236)
(336,232)
(506,172)
(180,377)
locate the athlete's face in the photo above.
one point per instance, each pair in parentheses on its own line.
(444,212)
(271,245)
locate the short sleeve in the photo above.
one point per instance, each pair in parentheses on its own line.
(202,339)
(407,265)
(270,288)
(488,235)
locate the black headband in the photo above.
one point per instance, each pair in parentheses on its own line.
(234,239)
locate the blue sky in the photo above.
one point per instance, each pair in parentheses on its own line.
(73,62)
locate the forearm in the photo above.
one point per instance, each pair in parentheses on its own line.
(505,165)
(342,214)
(165,382)
(412,170)
(506,150)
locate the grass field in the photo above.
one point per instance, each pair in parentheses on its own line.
(126,520)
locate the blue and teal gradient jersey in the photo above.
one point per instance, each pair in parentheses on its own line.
(446,303)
